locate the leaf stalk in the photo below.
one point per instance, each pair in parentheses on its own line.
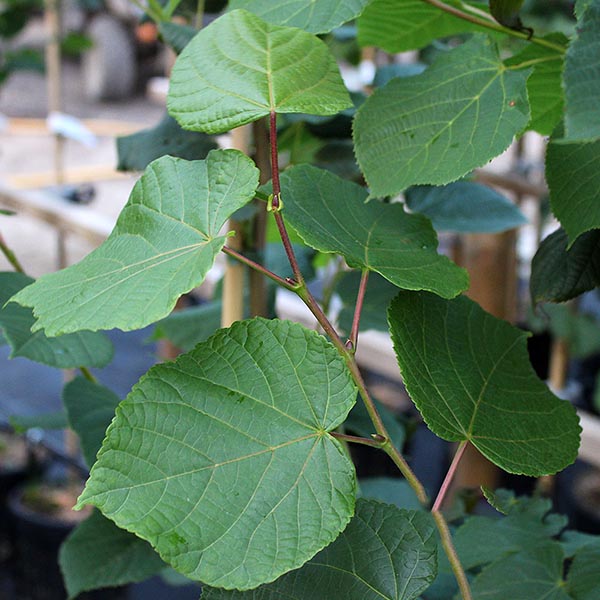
(494,26)
(10,256)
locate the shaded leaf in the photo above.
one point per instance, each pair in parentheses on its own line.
(408,25)
(316,16)
(582,78)
(380,292)
(246,414)
(469,375)
(527,524)
(164,243)
(583,582)
(466,207)
(573,176)
(558,274)
(534,574)
(544,86)
(51,420)
(506,12)
(436,127)
(186,328)
(138,150)
(573,541)
(239,69)
(176,35)
(90,408)
(384,553)
(331,215)
(82,349)
(98,554)
(391,491)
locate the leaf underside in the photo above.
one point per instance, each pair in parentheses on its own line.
(331,215)
(222,459)
(240,68)
(315,16)
(165,241)
(469,375)
(436,127)
(573,176)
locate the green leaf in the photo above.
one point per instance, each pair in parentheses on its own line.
(186,328)
(408,25)
(436,127)
(534,574)
(465,207)
(583,582)
(51,420)
(83,349)
(544,86)
(330,214)
(384,553)
(90,409)
(469,375)
(98,554)
(222,459)
(239,69)
(573,541)
(176,35)
(316,16)
(559,274)
(380,292)
(165,241)
(527,525)
(573,176)
(7,213)
(506,12)
(137,151)
(582,78)
(391,491)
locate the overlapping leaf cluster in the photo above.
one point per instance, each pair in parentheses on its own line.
(223,463)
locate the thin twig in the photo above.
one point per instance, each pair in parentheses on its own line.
(457,568)
(10,256)
(276,202)
(489,24)
(449,476)
(87,374)
(352,342)
(376,441)
(289,285)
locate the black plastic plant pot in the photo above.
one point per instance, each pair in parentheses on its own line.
(38,538)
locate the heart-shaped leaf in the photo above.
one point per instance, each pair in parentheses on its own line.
(436,127)
(385,553)
(331,215)
(164,243)
(470,377)
(82,349)
(240,68)
(222,459)
(316,16)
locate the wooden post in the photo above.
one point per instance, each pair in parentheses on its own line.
(233,281)
(53,78)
